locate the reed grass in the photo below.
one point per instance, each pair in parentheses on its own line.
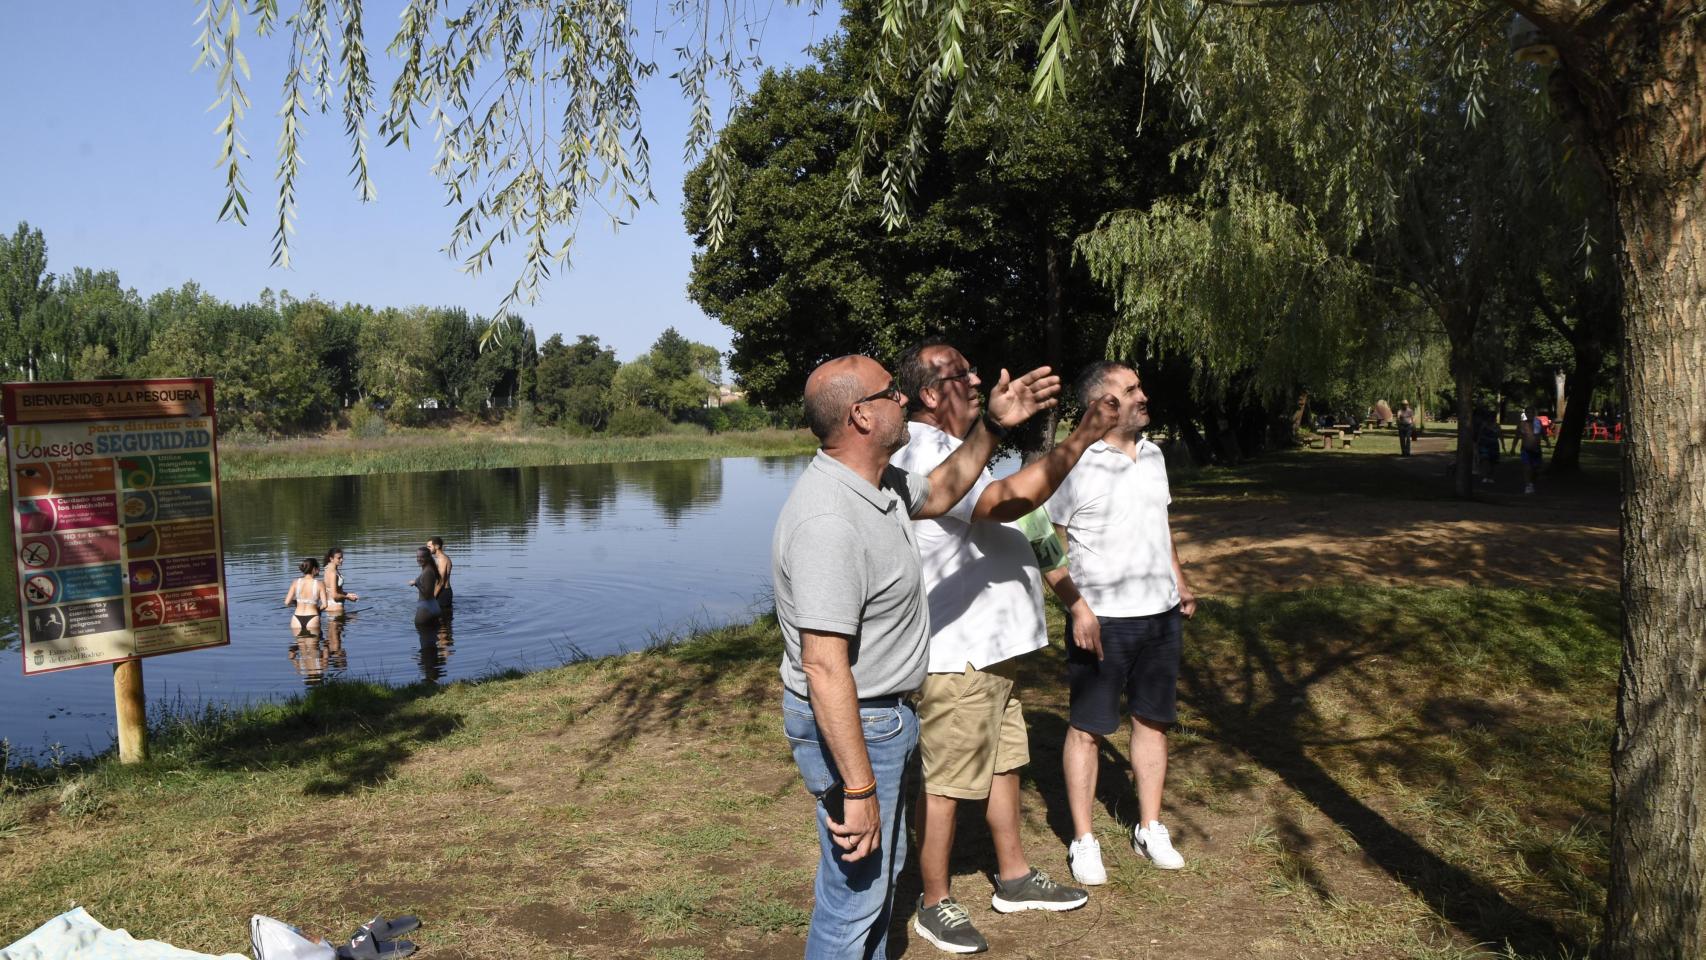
(436,449)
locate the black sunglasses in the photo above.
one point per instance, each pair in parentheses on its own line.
(890,392)
(965,374)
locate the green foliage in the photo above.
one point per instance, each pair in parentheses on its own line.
(637,422)
(24,288)
(737,415)
(1247,285)
(365,422)
(288,366)
(395,361)
(574,382)
(454,373)
(534,112)
(804,276)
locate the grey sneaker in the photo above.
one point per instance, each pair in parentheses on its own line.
(1035,891)
(948,926)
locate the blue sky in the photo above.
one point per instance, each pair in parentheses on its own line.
(111,153)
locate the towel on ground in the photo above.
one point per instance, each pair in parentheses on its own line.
(74,935)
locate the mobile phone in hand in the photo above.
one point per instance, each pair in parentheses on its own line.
(834,802)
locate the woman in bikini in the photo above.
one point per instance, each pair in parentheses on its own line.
(333,581)
(308,595)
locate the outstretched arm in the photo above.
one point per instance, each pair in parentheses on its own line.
(1011,403)
(1012,497)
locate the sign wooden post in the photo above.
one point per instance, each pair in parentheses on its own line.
(132,711)
(116,529)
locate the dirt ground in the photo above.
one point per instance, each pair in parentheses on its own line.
(1565,536)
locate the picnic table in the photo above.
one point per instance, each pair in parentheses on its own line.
(1342,432)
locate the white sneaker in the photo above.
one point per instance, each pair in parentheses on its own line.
(1085,856)
(1152,842)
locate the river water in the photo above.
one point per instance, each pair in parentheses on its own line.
(551,564)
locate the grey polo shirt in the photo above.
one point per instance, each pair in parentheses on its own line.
(843,560)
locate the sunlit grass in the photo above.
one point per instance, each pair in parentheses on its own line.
(426,450)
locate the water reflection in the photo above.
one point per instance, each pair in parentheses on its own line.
(552,563)
(436,644)
(320,657)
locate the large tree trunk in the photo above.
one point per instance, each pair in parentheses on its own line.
(1567,452)
(1658,769)
(1463,375)
(1054,339)
(1633,77)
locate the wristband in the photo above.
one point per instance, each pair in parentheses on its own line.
(862,793)
(990,424)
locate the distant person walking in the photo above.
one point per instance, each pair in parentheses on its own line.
(427,609)
(1124,636)
(441,560)
(855,628)
(308,595)
(1406,428)
(1530,436)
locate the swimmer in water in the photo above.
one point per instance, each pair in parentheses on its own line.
(333,581)
(309,597)
(442,561)
(426,584)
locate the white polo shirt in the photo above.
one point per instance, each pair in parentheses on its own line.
(981,579)
(1118,543)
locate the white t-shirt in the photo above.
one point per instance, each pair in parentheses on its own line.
(1118,543)
(981,579)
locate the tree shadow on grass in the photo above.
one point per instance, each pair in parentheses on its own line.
(1253,688)
(673,681)
(351,734)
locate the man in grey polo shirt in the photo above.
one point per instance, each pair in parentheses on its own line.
(850,603)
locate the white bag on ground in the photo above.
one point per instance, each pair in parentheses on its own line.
(277,940)
(74,935)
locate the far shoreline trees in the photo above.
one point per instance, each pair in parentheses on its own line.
(287,366)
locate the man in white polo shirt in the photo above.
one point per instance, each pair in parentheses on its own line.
(984,588)
(1125,629)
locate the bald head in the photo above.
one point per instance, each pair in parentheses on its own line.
(831,391)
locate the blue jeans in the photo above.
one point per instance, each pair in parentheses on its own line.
(855,901)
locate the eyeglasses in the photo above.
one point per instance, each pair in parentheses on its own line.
(965,375)
(890,392)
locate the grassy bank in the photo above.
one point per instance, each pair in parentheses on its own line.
(407,451)
(1359,772)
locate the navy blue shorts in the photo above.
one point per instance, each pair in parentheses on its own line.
(1140,660)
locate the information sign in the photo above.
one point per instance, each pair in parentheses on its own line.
(115,520)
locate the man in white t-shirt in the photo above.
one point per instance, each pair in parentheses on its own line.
(983,582)
(1126,627)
